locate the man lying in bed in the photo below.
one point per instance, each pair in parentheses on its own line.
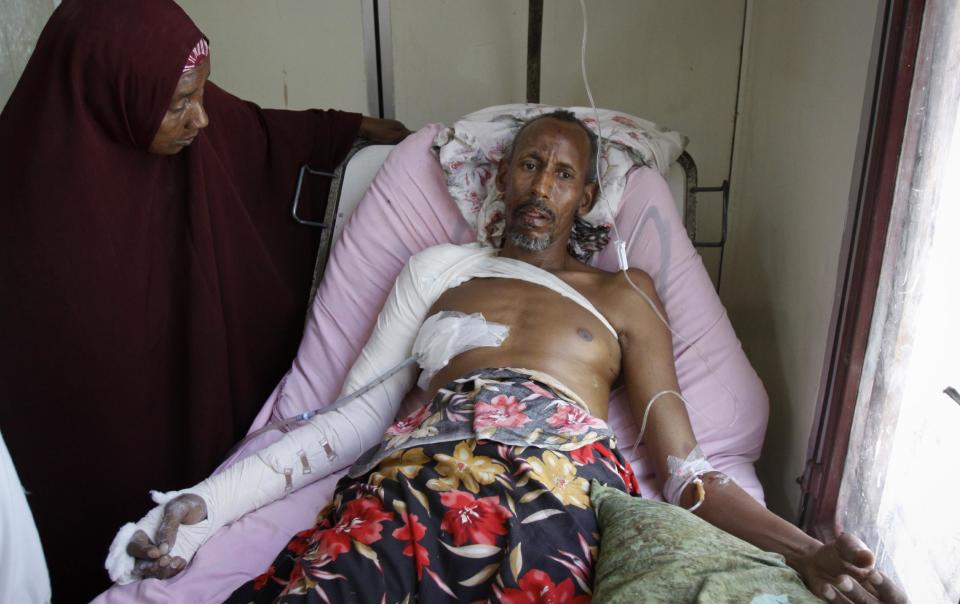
(502,457)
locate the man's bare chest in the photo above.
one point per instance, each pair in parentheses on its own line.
(534,313)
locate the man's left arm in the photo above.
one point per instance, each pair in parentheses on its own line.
(648,369)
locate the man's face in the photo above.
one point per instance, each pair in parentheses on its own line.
(544,183)
(185,117)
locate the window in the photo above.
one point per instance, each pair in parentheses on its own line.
(899,489)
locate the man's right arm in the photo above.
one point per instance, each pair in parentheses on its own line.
(327,443)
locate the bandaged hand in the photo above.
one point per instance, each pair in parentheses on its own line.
(155,556)
(843,571)
(162,543)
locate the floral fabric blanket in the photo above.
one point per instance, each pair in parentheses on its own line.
(459,520)
(509,406)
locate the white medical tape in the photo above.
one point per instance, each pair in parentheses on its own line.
(683,472)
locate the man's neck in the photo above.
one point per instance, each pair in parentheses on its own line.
(554,258)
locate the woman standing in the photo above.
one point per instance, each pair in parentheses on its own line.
(153,285)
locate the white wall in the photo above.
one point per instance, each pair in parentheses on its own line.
(286,54)
(20,24)
(451,57)
(804,87)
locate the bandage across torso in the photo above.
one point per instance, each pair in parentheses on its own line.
(332,441)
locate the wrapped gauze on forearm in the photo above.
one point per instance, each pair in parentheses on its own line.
(328,442)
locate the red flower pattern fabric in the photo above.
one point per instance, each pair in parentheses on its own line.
(570,419)
(501,412)
(469,520)
(473,520)
(410,422)
(412,532)
(362,520)
(503,405)
(536,587)
(584,455)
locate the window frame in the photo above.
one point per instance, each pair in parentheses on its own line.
(833,419)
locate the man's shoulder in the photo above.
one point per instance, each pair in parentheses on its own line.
(616,283)
(617,294)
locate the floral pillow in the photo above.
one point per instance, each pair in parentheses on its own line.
(652,551)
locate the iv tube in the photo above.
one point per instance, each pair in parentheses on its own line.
(619,243)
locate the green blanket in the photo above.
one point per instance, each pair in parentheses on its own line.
(656,552)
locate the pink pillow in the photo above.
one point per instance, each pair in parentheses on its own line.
(407,209)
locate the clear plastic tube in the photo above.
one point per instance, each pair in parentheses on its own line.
(280,424)
(620,244)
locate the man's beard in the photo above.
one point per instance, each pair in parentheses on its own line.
(531,243)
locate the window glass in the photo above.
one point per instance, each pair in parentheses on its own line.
(900,489)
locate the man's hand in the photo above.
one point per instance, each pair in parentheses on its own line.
(843,571)
(382,131)
(153,559)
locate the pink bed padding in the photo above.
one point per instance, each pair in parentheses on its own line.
(406,210)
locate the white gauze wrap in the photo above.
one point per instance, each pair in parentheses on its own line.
(449,333)
(683,472)
(332,441)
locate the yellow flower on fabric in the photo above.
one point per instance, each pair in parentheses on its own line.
(559,476)
(464,466)
(407,462)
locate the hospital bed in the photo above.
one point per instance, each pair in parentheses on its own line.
(389,203)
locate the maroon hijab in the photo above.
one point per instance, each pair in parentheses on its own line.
(149,303)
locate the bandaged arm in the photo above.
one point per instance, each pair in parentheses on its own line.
(327,443)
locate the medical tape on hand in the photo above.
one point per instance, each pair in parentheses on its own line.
(684,472)
(121,566)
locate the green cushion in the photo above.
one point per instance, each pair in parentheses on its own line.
(656,552)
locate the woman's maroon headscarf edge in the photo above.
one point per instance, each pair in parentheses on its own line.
(150,303)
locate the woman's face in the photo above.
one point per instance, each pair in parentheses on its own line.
(185,117)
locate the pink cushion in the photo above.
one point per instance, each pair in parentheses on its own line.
(408,209)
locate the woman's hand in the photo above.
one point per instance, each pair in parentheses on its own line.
(843,571)
(152,557)
(382,131)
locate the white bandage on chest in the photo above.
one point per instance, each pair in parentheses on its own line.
(447,334)
(331,441)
